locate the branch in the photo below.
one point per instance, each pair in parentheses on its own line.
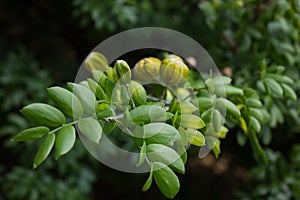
(232,44)
(158,100)
(113,118)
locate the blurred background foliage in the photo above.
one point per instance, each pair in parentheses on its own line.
(44,42)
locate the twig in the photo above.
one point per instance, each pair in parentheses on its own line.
(130,96)
(232,44)
(163,94)
(158,100)
(253,77)
(109,119)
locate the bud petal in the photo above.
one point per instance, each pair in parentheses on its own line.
(173,71)
(110,74)
(122,72)
(147,69)
(95,61)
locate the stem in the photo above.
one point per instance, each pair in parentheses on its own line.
(57,129)
(147,160)
(253,78)
(109,119)
(188,96)
(232,44)
(163,94)
(158,100)
(71,123)
(130,96)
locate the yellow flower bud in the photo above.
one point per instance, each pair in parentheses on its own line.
(122,72)
(147,69)
(95,61)
(173,71)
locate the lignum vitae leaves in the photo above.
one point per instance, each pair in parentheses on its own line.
(164,125)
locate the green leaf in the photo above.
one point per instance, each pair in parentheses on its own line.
(223,132)
(280,78)
(190,121)
(142,154)
(149,180)
(91,129)
(158,132)
(257,114)
(289,92)
(110,75)
(175,118)
(108,127)
(86,97)
(65,140)
(166,180)
(217,81)
(84,83)
(104,110)
(182,152)
(195,137)
(228,90)
(204,103)
(213,143)
(253,103)
(261,86)
(166,155)
(241,139)
(44,150)
(148,113)
(209,12)
(266,135)
(259,152)
(108,87)
(183,136)
(138,93)
(96,89)
(31,134)
(44,114)
(232,90)
(217,120)
(99,77)
(120,97)
(207,115)
(169,115)
(185,107)
(66,101)
(254,123)
(224,104)
(274,86)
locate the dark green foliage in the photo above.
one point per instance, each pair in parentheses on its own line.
(21,75)
(278,180)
